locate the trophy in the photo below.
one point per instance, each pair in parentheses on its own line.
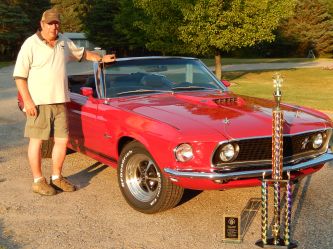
(276,240)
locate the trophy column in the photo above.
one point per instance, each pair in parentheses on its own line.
(277,163)
(277,179)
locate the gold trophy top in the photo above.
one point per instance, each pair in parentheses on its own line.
(277,80)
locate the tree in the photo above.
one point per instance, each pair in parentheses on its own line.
(130,37)
(211,26)
(13,28)
(73,13)
(310,28)
(19,19)
(329,5)
(34,10)
(99,24)
(223,26)
(160,22)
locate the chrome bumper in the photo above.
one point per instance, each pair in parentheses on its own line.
(251,173)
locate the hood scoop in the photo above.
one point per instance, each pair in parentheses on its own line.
(226,100)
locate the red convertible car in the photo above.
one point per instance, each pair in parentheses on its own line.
(167,123)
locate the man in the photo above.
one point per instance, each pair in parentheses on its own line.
(41,78)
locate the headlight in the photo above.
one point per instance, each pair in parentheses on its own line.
(184,152)
(228,152)
(317,141)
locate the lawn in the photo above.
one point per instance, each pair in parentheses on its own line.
(309,87)
(4,64)
(230,61)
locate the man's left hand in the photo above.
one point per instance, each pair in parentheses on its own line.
(109,58)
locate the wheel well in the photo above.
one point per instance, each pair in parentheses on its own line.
(122,143)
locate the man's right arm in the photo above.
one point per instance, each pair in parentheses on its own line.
(29,105)
(94,56)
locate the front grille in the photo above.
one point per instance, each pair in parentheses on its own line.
(260,149)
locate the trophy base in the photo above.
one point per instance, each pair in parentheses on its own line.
(270,244)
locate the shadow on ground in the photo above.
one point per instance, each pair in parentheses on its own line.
(234,75)
(248,214)
(188,195)
(6,240)
(84,177)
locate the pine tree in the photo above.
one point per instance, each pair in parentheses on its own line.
(310,28)
(130,37)
(73,12)
(99,24)
(34,10)
(13,28)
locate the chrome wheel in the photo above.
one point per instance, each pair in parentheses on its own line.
(142,178)
(142,183)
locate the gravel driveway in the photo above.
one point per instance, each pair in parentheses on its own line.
(96,216)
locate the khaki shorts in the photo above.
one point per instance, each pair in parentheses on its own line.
(51,121)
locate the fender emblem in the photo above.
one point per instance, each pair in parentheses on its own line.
(226,121)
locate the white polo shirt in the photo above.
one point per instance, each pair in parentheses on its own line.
(44,67)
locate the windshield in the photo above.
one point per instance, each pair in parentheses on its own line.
(142,76)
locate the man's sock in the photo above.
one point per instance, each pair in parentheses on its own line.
(37,179)
(55,177)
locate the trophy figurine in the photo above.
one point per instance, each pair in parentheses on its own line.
(276,241)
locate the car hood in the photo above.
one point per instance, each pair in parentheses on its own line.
(230,115)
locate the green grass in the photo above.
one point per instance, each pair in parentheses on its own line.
(308,87)
(230,61)
(4,64)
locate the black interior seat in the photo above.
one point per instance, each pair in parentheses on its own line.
(154,81)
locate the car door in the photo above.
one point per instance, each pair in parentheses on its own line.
(89,126)
(82,112)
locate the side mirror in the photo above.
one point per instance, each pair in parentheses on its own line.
(87,91)
(226,83)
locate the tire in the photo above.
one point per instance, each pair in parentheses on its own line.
(142,184)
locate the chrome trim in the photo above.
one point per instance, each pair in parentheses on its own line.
(287,160)
(285,135)
(251,173)
(260,137)
(155,58)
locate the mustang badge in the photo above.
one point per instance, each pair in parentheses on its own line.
(304,143)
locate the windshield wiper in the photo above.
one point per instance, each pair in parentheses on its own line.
(191,88)
(144,91)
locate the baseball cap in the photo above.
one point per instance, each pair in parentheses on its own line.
(51,15)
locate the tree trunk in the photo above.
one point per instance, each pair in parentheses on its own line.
(218,65)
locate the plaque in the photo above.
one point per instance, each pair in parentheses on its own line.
(232,225)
